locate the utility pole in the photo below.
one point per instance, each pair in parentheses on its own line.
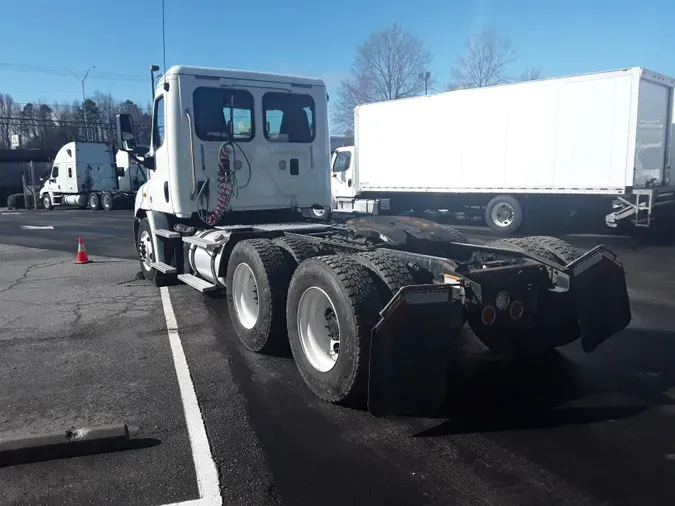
(153,69)
(84,99)
(425,76)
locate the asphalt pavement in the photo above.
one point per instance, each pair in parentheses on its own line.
(89,345)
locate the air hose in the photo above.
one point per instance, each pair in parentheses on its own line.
(227,186)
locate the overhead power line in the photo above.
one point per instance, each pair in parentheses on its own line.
(56,71)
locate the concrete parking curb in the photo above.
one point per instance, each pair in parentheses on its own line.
(67,437)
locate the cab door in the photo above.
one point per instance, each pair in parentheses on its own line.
(342,183)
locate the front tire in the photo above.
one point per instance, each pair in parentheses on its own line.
(145,249)
(47,202)
(257,281)
(332,308)
(94,201)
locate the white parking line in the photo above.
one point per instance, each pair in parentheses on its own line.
(38,227)
(205,467)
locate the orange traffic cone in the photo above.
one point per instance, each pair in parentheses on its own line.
(82,257)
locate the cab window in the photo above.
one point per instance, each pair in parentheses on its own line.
(342,161)
(289,117)
(220,112)
(55,171)
(158,128)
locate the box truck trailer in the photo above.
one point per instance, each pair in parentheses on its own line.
(239,164)
(548,146)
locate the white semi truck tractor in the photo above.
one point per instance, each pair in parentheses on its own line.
(90,174)
(239,168)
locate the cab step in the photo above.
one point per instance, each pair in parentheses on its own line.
(198,284)
(169,234)
(201,243)
(162,267)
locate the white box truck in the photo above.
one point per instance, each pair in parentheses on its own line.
(508,150)
(89,174)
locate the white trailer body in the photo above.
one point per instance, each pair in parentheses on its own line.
(85,174)
(599,134)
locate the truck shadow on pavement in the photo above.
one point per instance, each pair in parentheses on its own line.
(488,393)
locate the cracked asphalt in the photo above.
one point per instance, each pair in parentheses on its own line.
(88,345)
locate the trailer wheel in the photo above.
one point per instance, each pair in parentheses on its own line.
(504,214)
(387,271)
(47,202)
(332,307)
(94,201)
(108,202)
(548,247)
(257,282)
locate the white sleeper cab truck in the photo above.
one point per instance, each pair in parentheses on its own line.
(597,144)
(239,168)
(85,174)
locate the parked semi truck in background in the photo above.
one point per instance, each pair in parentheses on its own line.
(89,174)
(239,166)
(554,146)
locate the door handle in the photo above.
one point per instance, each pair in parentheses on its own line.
(349,182)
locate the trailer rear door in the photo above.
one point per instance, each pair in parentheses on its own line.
(653,131)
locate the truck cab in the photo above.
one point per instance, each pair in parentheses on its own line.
(343,187)
(227,142)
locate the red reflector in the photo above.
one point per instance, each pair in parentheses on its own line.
(516,310)
(488,315)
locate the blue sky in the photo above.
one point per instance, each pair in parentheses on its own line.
(314,38)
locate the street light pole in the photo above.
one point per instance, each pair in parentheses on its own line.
(84,99)
(425,76)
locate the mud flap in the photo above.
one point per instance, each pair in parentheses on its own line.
(598,285)
(409,350)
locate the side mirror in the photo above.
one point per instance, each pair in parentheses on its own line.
(149,162)
(126,140)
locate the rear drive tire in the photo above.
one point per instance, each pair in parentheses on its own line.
(332,308)
(47,202)
(387,271)
(94,201)
(552,329)
(504,214)
(108,201)
(257,282)
(548,247)
(296,250)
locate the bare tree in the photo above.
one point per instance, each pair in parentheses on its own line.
(8,109)
(531,74)
(387,67)
(485,62)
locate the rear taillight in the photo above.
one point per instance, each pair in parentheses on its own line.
(516,310)
(488,315)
